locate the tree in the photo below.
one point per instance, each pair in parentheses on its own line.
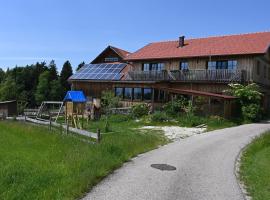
(8,89)
(55,90)
(53,71)
(249,99)
(43,87)
(2,75)
(66,72)
(108,101)
(80,66)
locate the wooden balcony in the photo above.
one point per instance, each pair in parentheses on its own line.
(218,75)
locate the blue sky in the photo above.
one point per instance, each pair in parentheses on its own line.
(77,30)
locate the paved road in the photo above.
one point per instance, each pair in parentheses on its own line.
(204,169)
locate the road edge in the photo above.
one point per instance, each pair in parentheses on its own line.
(237,164)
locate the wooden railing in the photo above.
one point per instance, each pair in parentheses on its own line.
(148,75)
(218,75)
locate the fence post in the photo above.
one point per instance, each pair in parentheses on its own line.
(24,118)
(98,135)
(50,126)
(67,126)
(61,127)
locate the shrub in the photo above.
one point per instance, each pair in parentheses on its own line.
(159,116)
(173,108)
(119,118)
(109,100)
(251,112)
(249,99)
(191,120)
(189,109)
(139,110)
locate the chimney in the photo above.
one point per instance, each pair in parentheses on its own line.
(181,41)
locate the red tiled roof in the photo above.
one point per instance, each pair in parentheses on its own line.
(251,43)
(120,52)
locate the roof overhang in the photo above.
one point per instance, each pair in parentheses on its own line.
(197,93)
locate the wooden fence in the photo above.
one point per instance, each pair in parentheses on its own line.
(65,127)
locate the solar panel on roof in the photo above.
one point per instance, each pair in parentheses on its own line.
(100,72)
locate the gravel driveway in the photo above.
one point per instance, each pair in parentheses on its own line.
(204,169)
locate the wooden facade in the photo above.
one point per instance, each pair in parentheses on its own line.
(8,108)
(197,76)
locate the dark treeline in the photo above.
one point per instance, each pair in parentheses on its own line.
(32,84)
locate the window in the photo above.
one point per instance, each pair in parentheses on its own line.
(258,68)
(147,93)
(146,67)
(232,64)
(153,67)
(111,59)
(211,65)
(128,93)
(119,92)
(157,66)
(183,65)
(264,71)
(137,93)
(223,64)
(159,95)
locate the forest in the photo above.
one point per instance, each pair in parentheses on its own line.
(32,84)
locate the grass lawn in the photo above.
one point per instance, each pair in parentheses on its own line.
(255,168)
(38,164)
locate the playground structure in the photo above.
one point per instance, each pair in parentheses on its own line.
(50,110)
(75,104)
(74,108)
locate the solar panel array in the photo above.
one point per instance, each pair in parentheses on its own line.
(100,72)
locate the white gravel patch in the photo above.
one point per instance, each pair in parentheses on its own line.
(176,132)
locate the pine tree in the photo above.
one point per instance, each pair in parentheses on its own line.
(64,75)
(2,75)
(53,71)
(80,65)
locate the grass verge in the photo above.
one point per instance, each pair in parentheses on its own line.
(255,168)
(38,164)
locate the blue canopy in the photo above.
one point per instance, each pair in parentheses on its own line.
(75,96)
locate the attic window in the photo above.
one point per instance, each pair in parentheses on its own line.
(111,59)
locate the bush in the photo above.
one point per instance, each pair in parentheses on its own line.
(119,118)
(249,99)
(159,116)
(109,100)
(189,109)
(251,112)
(173,108)
(191,120)
(139,110)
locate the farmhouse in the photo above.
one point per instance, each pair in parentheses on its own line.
(199,68)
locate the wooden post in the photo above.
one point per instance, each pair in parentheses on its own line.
(67,126)
(61,127)
(98,135)
(50,125)
(209,106)
(82,120)
(24,117)
(153,100)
